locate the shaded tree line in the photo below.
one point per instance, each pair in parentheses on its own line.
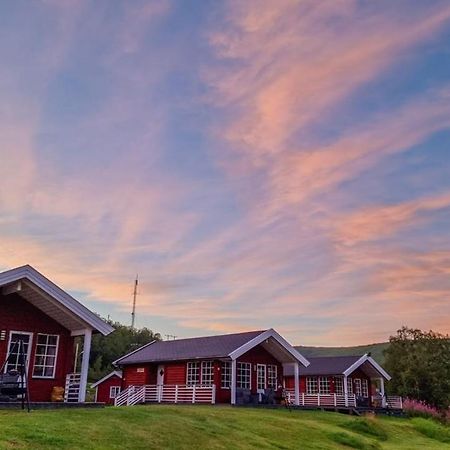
(106,349)
(419,363)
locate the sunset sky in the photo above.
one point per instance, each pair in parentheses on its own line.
(259,164)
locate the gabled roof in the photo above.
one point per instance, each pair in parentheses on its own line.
(117,373)
(338,365)
(51,299)
(223,346)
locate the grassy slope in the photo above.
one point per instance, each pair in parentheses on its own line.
(207,427)
(375,349)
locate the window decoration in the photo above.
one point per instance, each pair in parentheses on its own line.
(324,385)
(272,376)
(311,385)
(193,373)
(349,386)
(225,375)
(114,391)
(207,373)
(339,385)
(45,356)
(244,375)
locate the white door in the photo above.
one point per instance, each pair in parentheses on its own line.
(160,373)
(261,378)
(15,337)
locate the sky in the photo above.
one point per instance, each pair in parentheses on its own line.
(266,163)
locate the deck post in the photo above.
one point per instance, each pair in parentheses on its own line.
(296,384)
(233,381)
(213,394)
(346,390)
(176,393)
(85,365)
(382,393)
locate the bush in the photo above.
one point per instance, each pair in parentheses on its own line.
(416,408)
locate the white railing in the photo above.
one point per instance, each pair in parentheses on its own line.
(335,400)
(167,393)
(394,402)
(72,388)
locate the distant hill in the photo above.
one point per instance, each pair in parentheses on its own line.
(375,349)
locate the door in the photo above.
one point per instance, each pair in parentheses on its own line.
(261,379)
(160,375)
(14,351)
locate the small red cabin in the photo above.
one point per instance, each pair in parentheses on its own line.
(38,315)
(351,381)
(108,388)
(240,368)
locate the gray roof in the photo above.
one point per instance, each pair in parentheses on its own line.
(193,348)
(325,365)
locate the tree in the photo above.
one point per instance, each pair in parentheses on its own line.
(106,349)
(419,363)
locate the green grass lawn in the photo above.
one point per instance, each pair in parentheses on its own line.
(209,427)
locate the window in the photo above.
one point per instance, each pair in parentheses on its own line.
(324,385)
(193,373)
(358,390)
(14,360)
(261,372)
(244,375)
(365,388)
(207,373)
(349,386)
(339,386)
(45,357)
(272,376)
(114,391)
(225,377)
(311,385)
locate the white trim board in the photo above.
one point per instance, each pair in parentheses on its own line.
(369,359)
(116,373)
(270,333)
(63,298)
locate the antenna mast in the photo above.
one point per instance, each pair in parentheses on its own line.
(133,312)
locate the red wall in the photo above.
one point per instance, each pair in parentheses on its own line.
(18,315)
(102,394)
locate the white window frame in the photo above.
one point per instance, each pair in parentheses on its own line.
(244,375)
(349,386)
(339,385)
(45,356)
(261,377)
(30,343)
(324,385)
(358,387)
(193,373)
(272,376)
(225,375)
(207,372)
(114,391)
(312,386)
(365,388)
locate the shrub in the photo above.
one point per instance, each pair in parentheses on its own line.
(416,408)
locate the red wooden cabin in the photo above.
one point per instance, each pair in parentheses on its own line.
(234,368)
(352,381)
(47,320)
(108,388)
